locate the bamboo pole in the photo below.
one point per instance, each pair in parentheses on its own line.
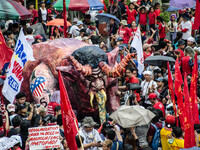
(78,134)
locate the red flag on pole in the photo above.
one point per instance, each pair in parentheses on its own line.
(65,18)
(197,16)
(171,90)
(179,93)
(69,118)
(193,92)
(5,52)
(189,125)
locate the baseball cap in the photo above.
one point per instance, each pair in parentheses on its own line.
(147,73)
(11,107)
(106,125)
(121,47)
(145,46)
(119,39)
(124,22)
(152,96)
(170,119)
(160,79)
(79,23)
(38,37)
(75,20)
(191,39)
(181,42)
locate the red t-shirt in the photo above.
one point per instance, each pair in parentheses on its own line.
(152,17)
(145,55)
(160,106)
(35,14)
(157,11)
(185,67)
(133,32)
(51,108)
(143,18)
(161,27)
(131,15)
(125,34)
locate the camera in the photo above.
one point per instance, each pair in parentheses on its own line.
(47,118)
(134,86)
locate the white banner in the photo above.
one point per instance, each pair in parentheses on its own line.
(23,52)
(44,137)
(137,44)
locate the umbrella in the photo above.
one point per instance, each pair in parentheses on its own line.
(11,10)
(171,8)
(79,5)
(106,18)
(158,60)
(58,22)
(182,4)
(129,116)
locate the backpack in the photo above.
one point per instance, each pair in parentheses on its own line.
(156,139)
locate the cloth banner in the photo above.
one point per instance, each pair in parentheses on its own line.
(22,53)
(137,44)
(69,119)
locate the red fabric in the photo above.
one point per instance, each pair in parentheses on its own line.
(104,5)
(160,106)
(193,92)
(179,93)
(171,90)
(125,34)
(131,15)
(77,5)
(189,125)
(152,17)
(51,108)
(185,67)
(65,18)
(197,16)
(69,119)
(143,18)
(121,57)
(145,55)
(184,30)
(5,52)
(152,130)
(162,30)
(35,14)
(157,11)
(182,54)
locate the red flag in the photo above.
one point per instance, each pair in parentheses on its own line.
(171,90)
(179,93)
(69,118)
(189,125)
(5,52)
(193,92)
(65,18)
(197,16)
(104,5)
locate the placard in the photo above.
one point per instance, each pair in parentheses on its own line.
(44,137)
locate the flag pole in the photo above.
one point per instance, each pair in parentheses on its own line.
(65,19)
(78,133)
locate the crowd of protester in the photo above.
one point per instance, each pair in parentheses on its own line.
(175,38)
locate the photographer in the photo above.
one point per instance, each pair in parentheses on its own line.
(130,79)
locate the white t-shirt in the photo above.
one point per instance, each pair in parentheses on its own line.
(145,88)
(186,25)
(30,39)
(90,137)
(75,31)
(44,14)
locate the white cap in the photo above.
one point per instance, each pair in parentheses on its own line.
(191,39)
(11,107)
(147,73)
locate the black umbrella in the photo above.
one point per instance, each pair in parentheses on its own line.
(91,55)
(158,60)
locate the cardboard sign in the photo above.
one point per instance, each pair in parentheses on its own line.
(44,137)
